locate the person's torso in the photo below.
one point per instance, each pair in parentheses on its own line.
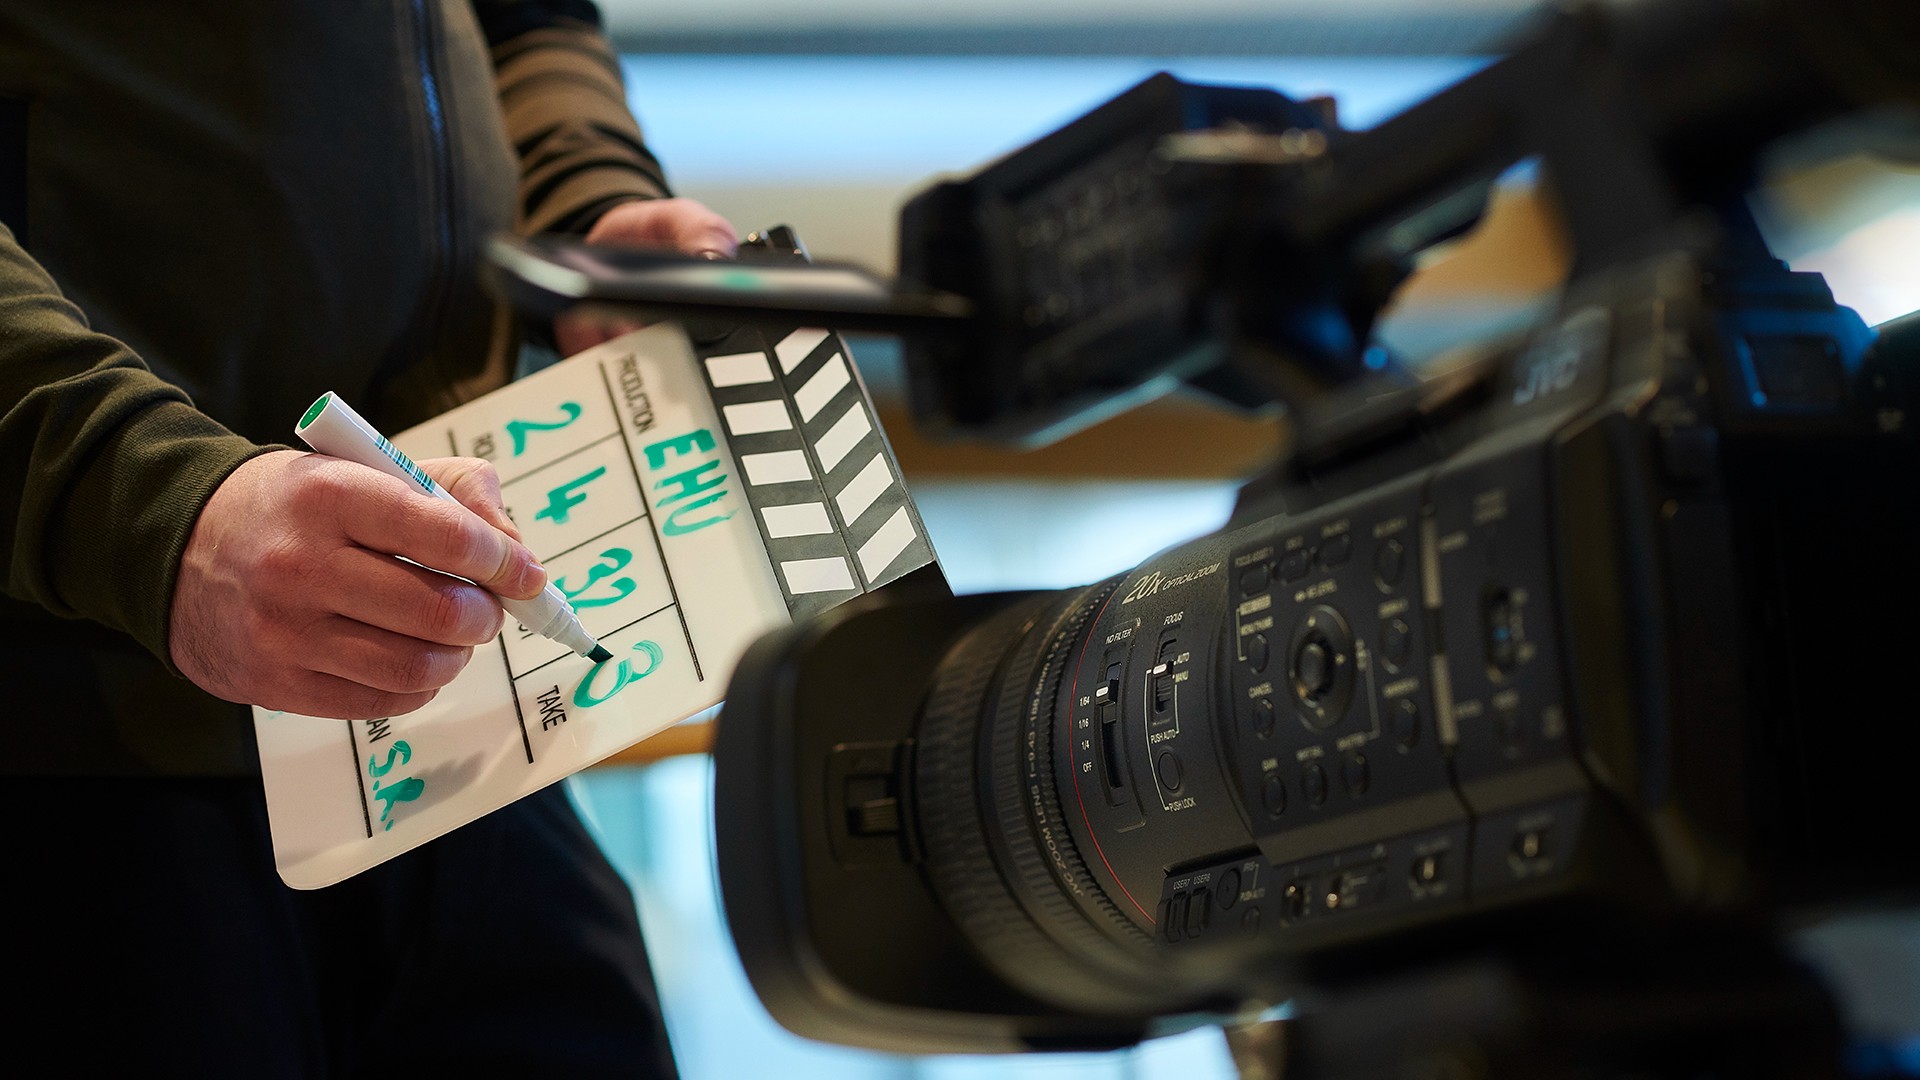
(266,201)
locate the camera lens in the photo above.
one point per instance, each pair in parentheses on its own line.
(991,810)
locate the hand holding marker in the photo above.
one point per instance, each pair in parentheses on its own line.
(334,429)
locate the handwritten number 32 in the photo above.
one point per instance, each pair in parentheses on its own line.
(615,560)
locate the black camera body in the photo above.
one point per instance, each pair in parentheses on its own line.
(1592,636)
(1599,642)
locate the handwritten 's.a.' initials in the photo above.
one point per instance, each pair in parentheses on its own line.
(391,792)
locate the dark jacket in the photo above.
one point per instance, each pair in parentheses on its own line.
(214,211)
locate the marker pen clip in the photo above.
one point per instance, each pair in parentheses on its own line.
(331,427)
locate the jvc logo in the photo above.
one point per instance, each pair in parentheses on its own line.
(1553,365)
(1548,371)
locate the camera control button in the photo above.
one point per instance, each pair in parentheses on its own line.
(1506,721)
(1396,643)
(1389,562)
(1273,795)
(1254,580)
(1313,667)
(1355,774)
(1426,869)
(1169,769)
(1529,845)
(1336,550)
(1501,616)
(1199,912)
(1690,456)
(1258,653)
(1295,901)
(1175,921)
(1404,719)
(1295,565)
(1320,668)
(1228,890)
(1313,781)
(1262,718)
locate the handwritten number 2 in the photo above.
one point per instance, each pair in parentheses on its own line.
(517,429)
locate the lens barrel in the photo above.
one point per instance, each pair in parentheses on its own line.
(998,850)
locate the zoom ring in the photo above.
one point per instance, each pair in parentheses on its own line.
(1026,798)
(961,861)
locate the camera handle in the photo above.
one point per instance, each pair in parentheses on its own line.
(1694,1003)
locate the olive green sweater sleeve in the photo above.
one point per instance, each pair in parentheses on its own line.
(104,466)
(566,113)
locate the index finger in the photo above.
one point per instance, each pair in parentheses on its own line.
(385,515)
(475,485)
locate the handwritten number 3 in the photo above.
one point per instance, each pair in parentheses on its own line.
(517,429)
(583,694)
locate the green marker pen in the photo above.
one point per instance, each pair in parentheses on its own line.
(333,428)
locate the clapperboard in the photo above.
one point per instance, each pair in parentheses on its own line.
(820,476)
(688,491)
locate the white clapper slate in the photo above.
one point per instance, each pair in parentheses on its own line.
(618,467)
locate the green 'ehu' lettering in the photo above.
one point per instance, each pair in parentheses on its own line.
(673,526)
(697,441)
(689,482)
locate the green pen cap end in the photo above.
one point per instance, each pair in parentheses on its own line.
(314,410)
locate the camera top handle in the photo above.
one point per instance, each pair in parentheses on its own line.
(1228,239)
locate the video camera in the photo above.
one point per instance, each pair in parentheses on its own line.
(1562,671)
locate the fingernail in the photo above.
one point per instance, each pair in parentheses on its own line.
(532,576)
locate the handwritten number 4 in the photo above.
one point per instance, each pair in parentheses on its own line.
(562,500)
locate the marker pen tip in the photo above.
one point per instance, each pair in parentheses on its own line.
(599,655)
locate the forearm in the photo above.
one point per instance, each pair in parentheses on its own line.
(580,149)
(103,465)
